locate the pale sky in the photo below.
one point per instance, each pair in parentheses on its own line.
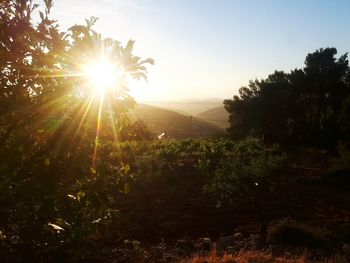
(210,48)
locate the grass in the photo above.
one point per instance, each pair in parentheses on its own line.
(245,257)
(253,256)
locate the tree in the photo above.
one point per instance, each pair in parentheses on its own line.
(324,94)
(53,195)
(297,107)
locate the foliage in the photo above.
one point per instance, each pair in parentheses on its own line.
(135,131)
(344,119)
(54,199)
(342,162)
(243,171)
(297,107)
(55,203)
(288,232)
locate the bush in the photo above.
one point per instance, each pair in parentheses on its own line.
(289,233)
(342,162)
(242,170)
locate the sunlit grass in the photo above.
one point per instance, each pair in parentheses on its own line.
(246,257)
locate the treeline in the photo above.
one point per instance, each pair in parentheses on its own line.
(308,106)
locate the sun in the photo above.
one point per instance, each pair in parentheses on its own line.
(101,75)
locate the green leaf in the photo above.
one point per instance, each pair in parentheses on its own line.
(47,161)
(126,168)
(80,195)
(126,188)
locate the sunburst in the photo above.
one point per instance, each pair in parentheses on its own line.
(102,76)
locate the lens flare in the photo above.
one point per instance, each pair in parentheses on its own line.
(101,76)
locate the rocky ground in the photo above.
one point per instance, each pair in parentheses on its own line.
(224,249)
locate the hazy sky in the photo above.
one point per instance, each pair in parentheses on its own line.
(210,48)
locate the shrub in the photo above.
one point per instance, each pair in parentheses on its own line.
(290,233)
(243,170)
(342,162)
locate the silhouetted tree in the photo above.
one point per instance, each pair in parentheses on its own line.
(52,194)
(301,106)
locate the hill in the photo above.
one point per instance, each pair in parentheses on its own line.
(188,106)
(217,116)
(174,124)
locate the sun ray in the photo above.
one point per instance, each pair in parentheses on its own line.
(98,128)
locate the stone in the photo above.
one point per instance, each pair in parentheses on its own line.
(223,243)
(128,244)
(346,250)
(239,245)
(136,244)
(156,253)
(184,246)
(203,244)
(257,241)
(238,236)
(230,249)
(121,255)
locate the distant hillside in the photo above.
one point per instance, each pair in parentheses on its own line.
(174,124)
(218,116)
(188,106)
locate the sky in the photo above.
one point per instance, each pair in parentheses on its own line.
(210,48)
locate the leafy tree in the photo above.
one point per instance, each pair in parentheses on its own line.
(344,119)
(53,194)
(342,162)
(324,93)
(301,106)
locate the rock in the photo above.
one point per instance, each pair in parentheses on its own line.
(239,245)
(136,244)
(223,243)
(257,241)
(184,246)
(346,250)
(203,245)
(169,257)
(230,249)
(318,254)
(238,236)
(156,253)
(128,244)
(121,255)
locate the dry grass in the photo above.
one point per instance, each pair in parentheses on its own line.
(245,257)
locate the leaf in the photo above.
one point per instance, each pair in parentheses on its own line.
(129,46)
(126,188)
(47,162)
(148,60)
(55,227)
(126,168)
(80,195)
(71,196)
(62,222)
